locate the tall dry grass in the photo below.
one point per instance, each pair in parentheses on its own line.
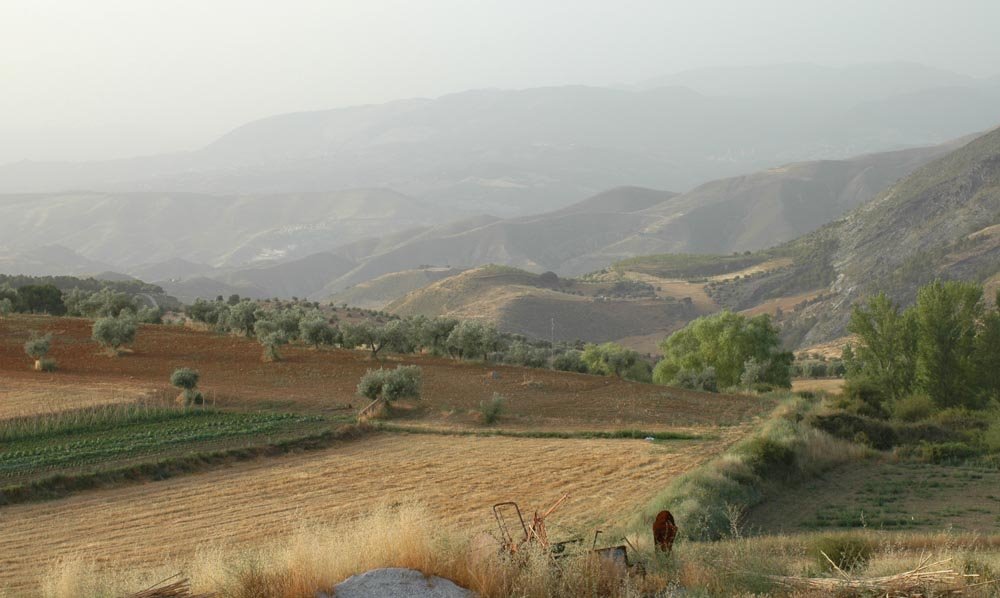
(316,557)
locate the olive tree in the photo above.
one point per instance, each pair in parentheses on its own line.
(270,336)
(186,379)
(391,385)
(609,359)
(317,331)
(243,316)
(37,347)
(114,333)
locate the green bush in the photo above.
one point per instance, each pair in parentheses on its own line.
(38,346)
(868,394)
(991,438)
(185,378)
(913,408)
(491,410)
(879,434)
(570,361)
(402,382)
(947,452)
(846,551)
(113,333)
(769,458)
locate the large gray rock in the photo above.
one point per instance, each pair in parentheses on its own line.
(397,583)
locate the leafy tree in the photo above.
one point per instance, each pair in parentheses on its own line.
(367,334)
(886,353)
(724,342)
(316,331)
(400,383)
(401,336)
(521,353)
(6,306)
(233,299)
(243,317)
(270,336)
(114,333)
(434,333)
(40,298)
(470,339)
(38,346)
(149,315)
(187,380)
(609,359)
(947,316)
(570,361)
(986,363)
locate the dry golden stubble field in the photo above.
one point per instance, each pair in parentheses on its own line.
(457,478)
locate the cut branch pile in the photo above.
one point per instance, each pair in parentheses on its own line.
(927,578)
(177,589)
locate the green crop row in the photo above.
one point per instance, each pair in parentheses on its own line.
(77,447)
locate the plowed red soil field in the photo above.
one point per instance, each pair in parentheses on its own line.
(233,374)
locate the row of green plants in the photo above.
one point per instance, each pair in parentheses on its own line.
(86,439)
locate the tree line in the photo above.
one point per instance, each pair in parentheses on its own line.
(943,351)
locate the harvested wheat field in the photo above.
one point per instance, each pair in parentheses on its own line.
(458,478)
(233,374)
(27,396)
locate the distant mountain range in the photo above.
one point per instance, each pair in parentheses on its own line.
(528,151)
(320,245)
(940,222)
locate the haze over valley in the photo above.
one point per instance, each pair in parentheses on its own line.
(322,299)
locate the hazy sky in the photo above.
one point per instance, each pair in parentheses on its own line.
(105,78)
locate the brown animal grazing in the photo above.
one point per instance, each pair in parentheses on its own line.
(664,530)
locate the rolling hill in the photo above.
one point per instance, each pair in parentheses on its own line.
(545,306)
(941,222)
(738,214)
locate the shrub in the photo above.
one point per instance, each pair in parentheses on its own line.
(704,380)
(912,408)
(570,361)
(991,438)
(846,551)
(947,452)
(490,410)
(867,392)
(184,378)
(391,385)
(848,426)
(113,333)
(769,458)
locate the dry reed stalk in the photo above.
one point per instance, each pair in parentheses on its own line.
(178,589)
(914,582)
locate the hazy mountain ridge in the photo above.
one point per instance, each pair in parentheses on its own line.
(939,222)
(129,230)
(738,214)
(518,151)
